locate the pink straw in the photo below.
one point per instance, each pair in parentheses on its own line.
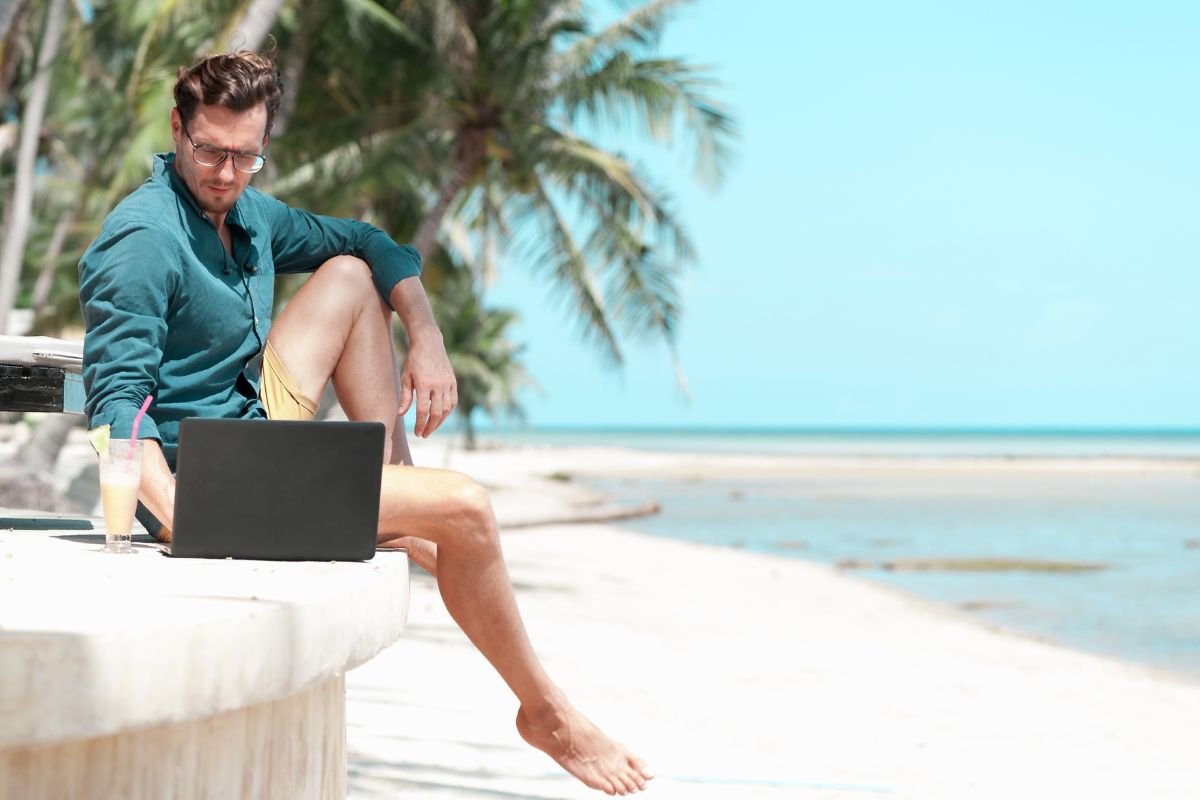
(138,420)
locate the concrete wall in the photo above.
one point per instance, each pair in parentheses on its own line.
(143,676)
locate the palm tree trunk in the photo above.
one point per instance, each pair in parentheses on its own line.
(12,19)
(8,12)
(45,281)
(257,22)
(468,156)
(22,200)
(39,454)
(293,75)
(468,429)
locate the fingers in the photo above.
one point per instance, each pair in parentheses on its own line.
(424,409)
(433,407)
(406,394)
(437,413)
(428,381)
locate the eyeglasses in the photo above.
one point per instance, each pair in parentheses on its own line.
(208,156)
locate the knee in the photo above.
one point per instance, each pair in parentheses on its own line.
(349,274)
(473,515)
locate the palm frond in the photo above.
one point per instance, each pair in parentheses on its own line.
(588,167)
(659,91)
(640,27)
(560,255)
(642,289)
(609,188)
(369,9)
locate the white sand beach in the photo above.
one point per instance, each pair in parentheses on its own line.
(739,675)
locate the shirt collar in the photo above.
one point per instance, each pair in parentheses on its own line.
(164,170)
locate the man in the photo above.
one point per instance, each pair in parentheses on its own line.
(177,292)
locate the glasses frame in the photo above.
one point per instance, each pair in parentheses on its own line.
(261,158)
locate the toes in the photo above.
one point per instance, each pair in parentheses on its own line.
(635,773)
(620,781)
(634,782)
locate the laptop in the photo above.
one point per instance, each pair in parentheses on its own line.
(282,490)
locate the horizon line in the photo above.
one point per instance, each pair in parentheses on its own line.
(850,431)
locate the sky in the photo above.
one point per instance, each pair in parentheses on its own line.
(939,215)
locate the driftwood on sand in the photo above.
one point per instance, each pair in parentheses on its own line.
(605,512)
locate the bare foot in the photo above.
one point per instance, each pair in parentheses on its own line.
(422,551)
(584,750)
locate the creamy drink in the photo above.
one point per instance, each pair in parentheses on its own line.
(119,496)
(120,474)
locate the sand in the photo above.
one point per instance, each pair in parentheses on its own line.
(739,675)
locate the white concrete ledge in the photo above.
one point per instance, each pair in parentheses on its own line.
(98,645)
(290,749)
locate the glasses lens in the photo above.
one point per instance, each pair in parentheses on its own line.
(244,163)
(209,156)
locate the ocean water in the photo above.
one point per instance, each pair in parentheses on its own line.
(1142,528)
(919,444)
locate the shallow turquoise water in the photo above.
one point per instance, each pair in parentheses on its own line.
(1144,606)
(1143,527)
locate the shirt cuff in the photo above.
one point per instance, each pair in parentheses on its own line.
(402,262)
(121,420)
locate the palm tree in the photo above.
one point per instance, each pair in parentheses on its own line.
(473,125)
(481,116)
(19,210)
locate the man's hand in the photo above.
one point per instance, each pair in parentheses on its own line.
(157,489)
(428,379)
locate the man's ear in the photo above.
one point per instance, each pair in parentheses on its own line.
(176,125)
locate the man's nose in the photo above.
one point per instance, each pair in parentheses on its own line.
(225,170)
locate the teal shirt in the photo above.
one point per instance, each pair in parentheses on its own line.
(170,312)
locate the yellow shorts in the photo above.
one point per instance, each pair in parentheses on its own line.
(280,395)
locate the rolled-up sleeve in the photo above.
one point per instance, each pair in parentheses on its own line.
(301,241)
(125,281)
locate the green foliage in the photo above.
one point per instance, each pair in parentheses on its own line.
(468,125)
(476,119)
(486,362)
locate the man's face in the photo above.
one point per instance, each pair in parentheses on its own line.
(217,188)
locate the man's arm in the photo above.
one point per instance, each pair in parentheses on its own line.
(124,283)
(157,489)
(427,377)
(302,241)
(125,279)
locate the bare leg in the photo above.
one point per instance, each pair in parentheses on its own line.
(455,513)
(337,326)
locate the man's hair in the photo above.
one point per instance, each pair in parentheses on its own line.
(238,81)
